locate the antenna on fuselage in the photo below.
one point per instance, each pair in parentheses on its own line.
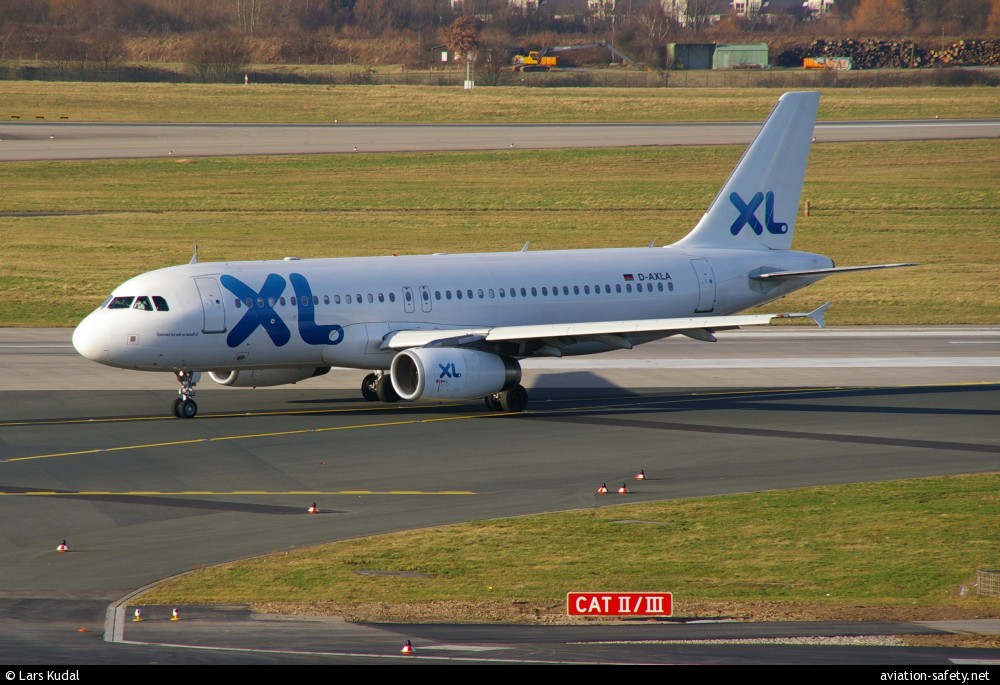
(194,257)
(525,248)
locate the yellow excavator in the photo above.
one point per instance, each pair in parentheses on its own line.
(544,60)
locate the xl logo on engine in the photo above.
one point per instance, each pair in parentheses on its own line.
(748,214)
(261,314)
(449,371)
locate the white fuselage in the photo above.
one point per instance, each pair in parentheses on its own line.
(336,312)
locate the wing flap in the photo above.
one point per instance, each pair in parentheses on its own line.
(699,327)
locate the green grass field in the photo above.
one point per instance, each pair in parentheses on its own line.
(73,230)
(888,546)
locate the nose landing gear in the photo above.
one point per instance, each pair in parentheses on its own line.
(184,406)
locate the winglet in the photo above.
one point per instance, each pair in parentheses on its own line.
(818,315)
(525,248)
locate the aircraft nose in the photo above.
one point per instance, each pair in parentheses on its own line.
(92,339)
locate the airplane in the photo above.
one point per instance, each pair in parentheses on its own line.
(455,326)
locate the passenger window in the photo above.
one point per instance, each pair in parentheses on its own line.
(406,295)
(524,293)
(392,297)
(481,294)
(458,294)
(370,298)
(545,291)
(260,303)
(348,298)
(249,303)
(161,304)
(502,292)
(143,303)
(336,299)
(239,304)
(565,290)
(381,297)
(586,290)
(281,301)
(670,286)
(469,293)
(447,294)
(628,287)
(491,293)
(576,290)
(534,292)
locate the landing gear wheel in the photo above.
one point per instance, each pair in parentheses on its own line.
(184,407)
(493,402)
(368,388)
(384,389)
(514,400)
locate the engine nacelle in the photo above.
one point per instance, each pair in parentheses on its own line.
(264,378)
(451,373)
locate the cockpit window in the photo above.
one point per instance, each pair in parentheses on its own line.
(142,302)
(161,304)
(121,302)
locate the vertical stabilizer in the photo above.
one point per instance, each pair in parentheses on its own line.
(757,207)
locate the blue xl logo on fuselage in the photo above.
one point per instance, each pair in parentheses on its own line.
(748,214)
(260,312)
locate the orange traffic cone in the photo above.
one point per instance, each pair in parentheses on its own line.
(603,489)
(407,648)
(138,616)
(313,509)
(641,475)
(63,547)
(175,615)
(623,490)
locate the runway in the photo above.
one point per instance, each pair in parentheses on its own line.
(88,454)
(22,141)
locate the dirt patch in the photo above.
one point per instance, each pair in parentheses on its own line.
(533,614)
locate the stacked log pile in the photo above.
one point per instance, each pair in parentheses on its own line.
(880,54)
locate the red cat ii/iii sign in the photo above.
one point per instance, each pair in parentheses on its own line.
(637,604)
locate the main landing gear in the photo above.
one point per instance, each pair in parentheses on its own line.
(184,406)
(377,387)
(512,400)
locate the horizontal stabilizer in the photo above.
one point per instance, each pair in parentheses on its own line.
(832,270)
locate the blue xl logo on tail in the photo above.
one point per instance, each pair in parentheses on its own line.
(748,215)
(263,315)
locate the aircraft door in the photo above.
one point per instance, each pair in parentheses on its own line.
(706,285)
(425,298)
(408,299)
(211,304)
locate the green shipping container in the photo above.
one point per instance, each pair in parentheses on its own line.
(749,56)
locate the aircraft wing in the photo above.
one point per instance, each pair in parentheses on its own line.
(611,332)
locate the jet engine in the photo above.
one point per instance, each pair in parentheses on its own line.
(264,378)
(451,373)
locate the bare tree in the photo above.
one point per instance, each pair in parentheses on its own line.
(461,36)
(220,55)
